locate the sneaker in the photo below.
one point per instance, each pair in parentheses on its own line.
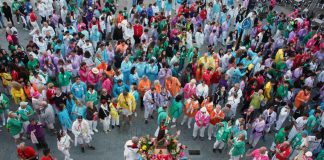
(18,23)
(95,130)
(214,150)
(82,149)
(194,138)
(112,127)
(209,138)
(91,133)
(201,138)
(181,124)
(92,147)
(118,126)
(220,150)
(146,122)
(189,126)
(152,117)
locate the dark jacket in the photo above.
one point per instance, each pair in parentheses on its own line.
(6,11)
(103,113)
(90,113)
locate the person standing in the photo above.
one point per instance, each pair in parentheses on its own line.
(238,147)
(282,151)
(14,126)
(24,112)
(4,107)
(114,112)
(7,12)
(175,109)
(104,115)
(64,80)
(216,116)
(91,117)
(190,110)
(131,148)
(298,126)
(127,102)
(202,91)
(284,113)
(36,132)
(64,144)
(151,101)
(280,137)
(257,131)
(47,116)
(81,131)
(189,90)
(202,120)
(79,89)
(26,152)
(173,85)
(162,116)
(64,118)
(222,135)
(270,117)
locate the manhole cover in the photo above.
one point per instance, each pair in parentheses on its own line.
(194,152)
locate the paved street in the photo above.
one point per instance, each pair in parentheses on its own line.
(110,146)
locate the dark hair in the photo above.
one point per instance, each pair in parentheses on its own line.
(178,98)
(90,86)
(46,151)
(132,71)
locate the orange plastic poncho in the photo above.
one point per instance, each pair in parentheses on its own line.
(143,86)
(301,96)
(173,86)
(191,108)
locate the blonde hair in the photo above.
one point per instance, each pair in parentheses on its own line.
(16,85)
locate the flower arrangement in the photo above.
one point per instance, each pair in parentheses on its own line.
(171,148)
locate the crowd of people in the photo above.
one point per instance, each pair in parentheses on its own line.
(183,62)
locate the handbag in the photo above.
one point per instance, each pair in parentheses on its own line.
(33,137)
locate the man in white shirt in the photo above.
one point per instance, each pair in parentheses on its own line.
(48,30)
(202,91)
(81,131)
(298,126)
(270,117)
(236,89)
(88,47)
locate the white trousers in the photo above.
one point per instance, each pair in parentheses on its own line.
(211,129)
(185,118)
(106,123)
(219,144)
(201,131)
(92,125)
(66,153)
(280,121)
(25,124)
(292,133)
(115,121)
(35,27)
(148,112)
(66,89)
(254,139)
(235,158)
